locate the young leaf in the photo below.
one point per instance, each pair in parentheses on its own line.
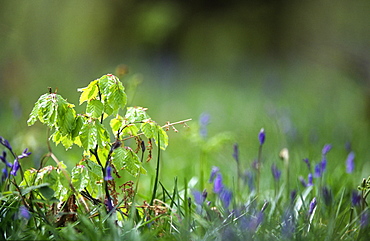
(80,177)
(89,135)
(90,92)
(65,122)
(94,108)
(126,158)
(136,114)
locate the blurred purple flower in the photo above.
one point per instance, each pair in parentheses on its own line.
(276,173)
(225,196)
(310,179)
(5,143)
(214,171)
(288,225)
(356,198)
(108,173)
(327,195)
(254,221)
(236,152)
(323,164)
(3,159)
(4,174)
(24,154)
(350,164)
(203,123)
(312,206)
(303,182)
(249,180)
(15,167)
(218,186)
(293,195)
(24,213)
(307,163)
(199,197)
(109,204)
(262,136)
(326,149)
(364,221)
(318,170)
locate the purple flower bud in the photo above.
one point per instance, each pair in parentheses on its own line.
(312,206)
(310,179)
(236,152)
(326,149)
(350,164)
(225,197)
(108,173)
(276,173)
(214,171)
(198,197)
(307,163)
(5,143)
(24,213)
(15,168)
(318,171)
(327,195)
(323,164)
(303,182)
(356,198)
(261,136)
(203,123)
(24,154)
(4,174)
(218,186)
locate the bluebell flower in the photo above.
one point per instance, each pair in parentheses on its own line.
(24,154)
(307,163)
(255,221)
(5,143)
(303,182)
(236,152)
(350,164)
(326,149)
(225,196)
(108,173)
(276,173)
(218,186)
(312,206)
(262,136)
(214,171)
(318,170)
(310,179)
(203,123)
(4,175)
(15,167)
(323,164)
(24,213)
(356,198)
(293,195)
(199,198)
(288,225)
(327,195)
(249,179)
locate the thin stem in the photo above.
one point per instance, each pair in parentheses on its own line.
(259,169)
(156,174)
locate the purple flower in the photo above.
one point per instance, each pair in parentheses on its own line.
(24,154)
(3,159)
(307,163)
(293,195)
(255,221)
(261,136)
(276,173)
(310,179)
(312,206)
(218,186)
(236,152)
(356,198)
(15,168)
(323,164)
(214,171)
(203,123)
(364,221)
(318,170)
(303,182)
(5,143)
(326,149)
(350,162)
(199,197)
(225,197)
(4,174)
(249,179)
(24,213)
(327,195)
(108,173)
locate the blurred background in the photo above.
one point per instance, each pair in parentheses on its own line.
(301,70)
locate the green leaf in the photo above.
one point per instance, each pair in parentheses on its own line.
(90,92)
(130,130)
(89,134)
(80,177)
(94,108)
(116,123)
(66,116)
(152,130)
(79,120)
(117,99)
(126,158)
(136,114)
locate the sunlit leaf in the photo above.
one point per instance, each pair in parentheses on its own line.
(90,92)
(94,108)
